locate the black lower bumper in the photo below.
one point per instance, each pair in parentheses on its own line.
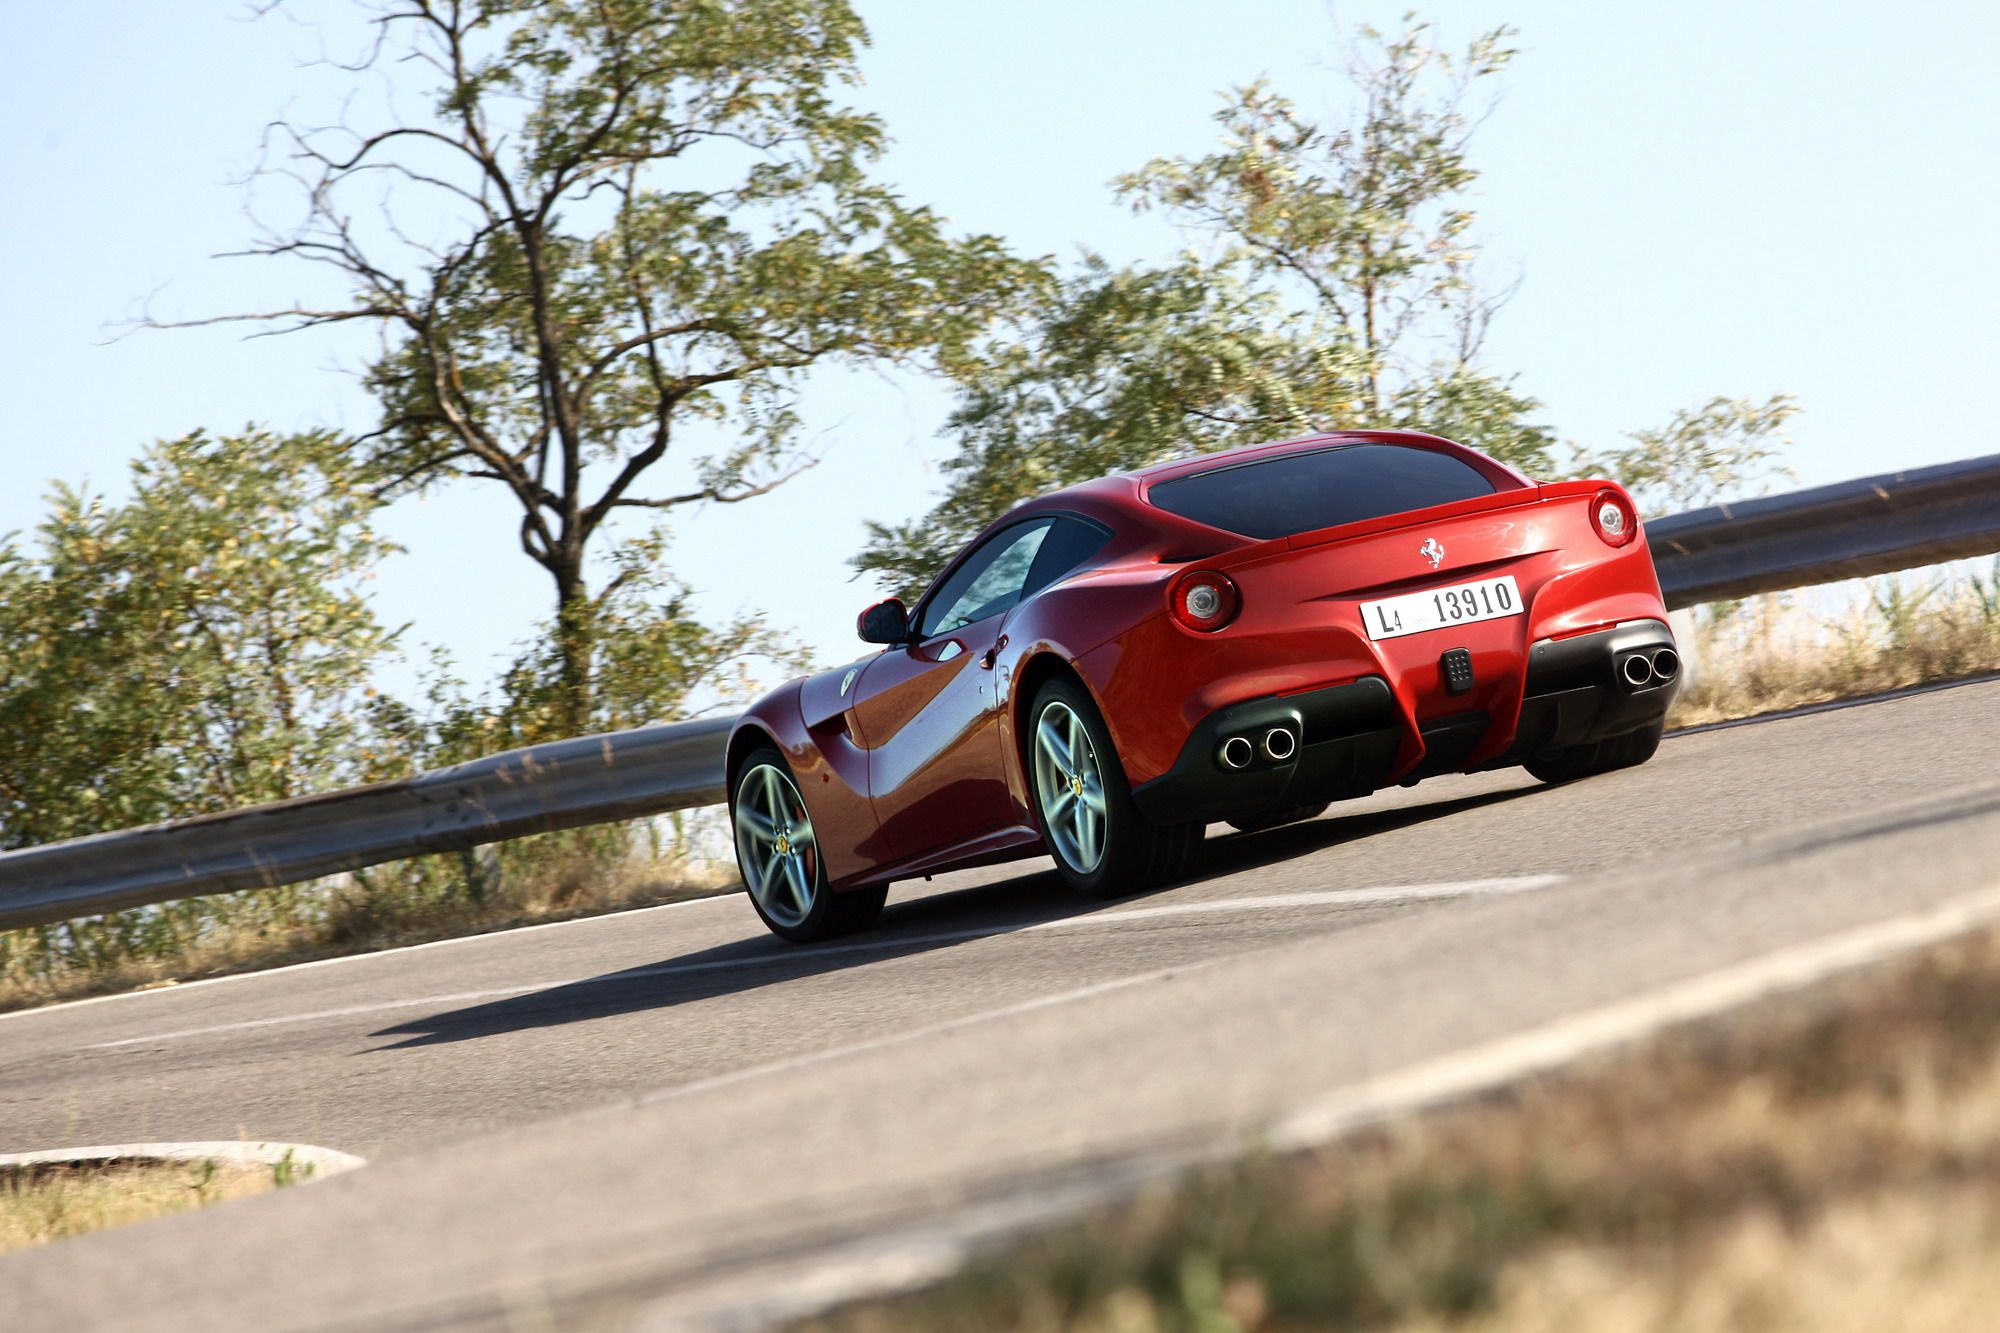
(1575,695)
(1347,736)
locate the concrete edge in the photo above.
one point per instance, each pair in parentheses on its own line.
(318,1163)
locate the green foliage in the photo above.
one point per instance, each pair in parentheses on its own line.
(205,645)
(1335,290)
(1728,448)
(199,647)
(614,324)
(664,220)
(285,1172)
(1367,223)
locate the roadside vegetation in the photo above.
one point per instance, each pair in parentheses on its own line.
(1790,650)
(1829,1160)
(44,1203)
(206,643)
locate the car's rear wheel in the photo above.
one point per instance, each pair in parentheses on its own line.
(1590,759)
(1101,844)
(778,854)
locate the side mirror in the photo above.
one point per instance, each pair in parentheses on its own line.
(884,622)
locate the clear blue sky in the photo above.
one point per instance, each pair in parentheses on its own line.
(1701,198)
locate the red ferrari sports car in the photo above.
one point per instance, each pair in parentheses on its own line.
(1241,636)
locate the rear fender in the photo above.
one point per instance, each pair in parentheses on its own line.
(1060,632)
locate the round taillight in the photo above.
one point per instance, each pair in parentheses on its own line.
(1203,600)
(1611,514)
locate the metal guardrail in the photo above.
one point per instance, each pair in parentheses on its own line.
(1876,525)
(537,789)
(1852,529)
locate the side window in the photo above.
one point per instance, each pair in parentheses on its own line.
(1070,542)
(988,582)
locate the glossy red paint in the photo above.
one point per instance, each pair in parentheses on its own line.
(912,760)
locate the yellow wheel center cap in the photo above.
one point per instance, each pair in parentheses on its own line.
(784,845)
(1076,786)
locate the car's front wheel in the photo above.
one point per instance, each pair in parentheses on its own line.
(778,854)
(1101,844)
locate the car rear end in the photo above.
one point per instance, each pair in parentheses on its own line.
(1382,607)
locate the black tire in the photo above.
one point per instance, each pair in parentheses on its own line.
(1268,819)
(1133,853)
(825,914)
(859,909)
(1605,756)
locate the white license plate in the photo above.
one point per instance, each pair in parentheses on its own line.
(1488,599)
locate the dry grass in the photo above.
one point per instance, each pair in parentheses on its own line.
(39,1204)
(380,909)
(1786,651)
(1828,1161)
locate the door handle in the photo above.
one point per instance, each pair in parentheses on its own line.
(992,654)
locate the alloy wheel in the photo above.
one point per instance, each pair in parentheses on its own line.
(775,845)
(1069,787)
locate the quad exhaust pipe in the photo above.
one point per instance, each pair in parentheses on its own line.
(1235,752)
(1279,744)
(1666,665)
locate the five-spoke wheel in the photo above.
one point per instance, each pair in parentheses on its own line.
(775,845)
(1069,783)
(778,851)
(1102,845)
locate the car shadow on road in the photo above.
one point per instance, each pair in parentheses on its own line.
(1238,852)
(914,926)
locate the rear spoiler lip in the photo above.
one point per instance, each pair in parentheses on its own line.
(1561,490)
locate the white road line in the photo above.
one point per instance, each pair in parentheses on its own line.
(1330,898)
(1466,888)
(918,1034)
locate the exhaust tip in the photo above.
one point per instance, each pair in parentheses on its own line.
(1666,665)
(1279,743)
(1635,670)
(1234,752)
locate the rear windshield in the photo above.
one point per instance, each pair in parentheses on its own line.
(1294,493)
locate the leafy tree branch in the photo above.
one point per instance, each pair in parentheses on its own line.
(621,225)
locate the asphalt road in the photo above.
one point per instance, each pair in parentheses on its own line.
(666,1117)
